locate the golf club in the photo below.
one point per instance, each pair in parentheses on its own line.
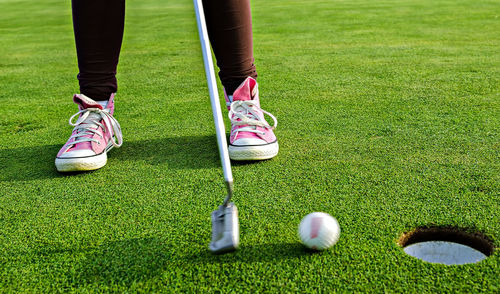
(225,227)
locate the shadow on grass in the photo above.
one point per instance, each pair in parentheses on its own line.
(190,152)
(254,253)
(135,260)
(124,262)
(28,163)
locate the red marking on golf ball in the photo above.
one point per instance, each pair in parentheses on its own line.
(315,226)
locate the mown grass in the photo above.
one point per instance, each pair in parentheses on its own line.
(388,120)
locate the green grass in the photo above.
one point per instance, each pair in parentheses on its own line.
(388,120)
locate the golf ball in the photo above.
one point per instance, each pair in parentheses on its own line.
(319,231)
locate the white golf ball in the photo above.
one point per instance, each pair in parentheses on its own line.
(319,231)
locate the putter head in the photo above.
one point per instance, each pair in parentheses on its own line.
(225,229)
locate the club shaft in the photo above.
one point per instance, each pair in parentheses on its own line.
(214,98)
(229,186)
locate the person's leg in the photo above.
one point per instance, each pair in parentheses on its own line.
(98,27)
(229,25)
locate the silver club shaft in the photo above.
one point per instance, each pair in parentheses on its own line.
(214,99)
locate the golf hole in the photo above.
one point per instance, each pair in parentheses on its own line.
(446,245)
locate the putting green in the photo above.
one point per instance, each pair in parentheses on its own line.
(388,120)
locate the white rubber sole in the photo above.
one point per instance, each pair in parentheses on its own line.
(253,152)
(81,163)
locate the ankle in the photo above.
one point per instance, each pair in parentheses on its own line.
(231,85)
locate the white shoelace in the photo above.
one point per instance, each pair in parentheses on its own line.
(88,123)
(246,113)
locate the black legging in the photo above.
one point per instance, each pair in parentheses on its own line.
(98,27)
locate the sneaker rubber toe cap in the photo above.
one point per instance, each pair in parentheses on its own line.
(77,153)
(249,142)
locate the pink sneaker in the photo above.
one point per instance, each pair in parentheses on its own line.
(252,138)
(96,132)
